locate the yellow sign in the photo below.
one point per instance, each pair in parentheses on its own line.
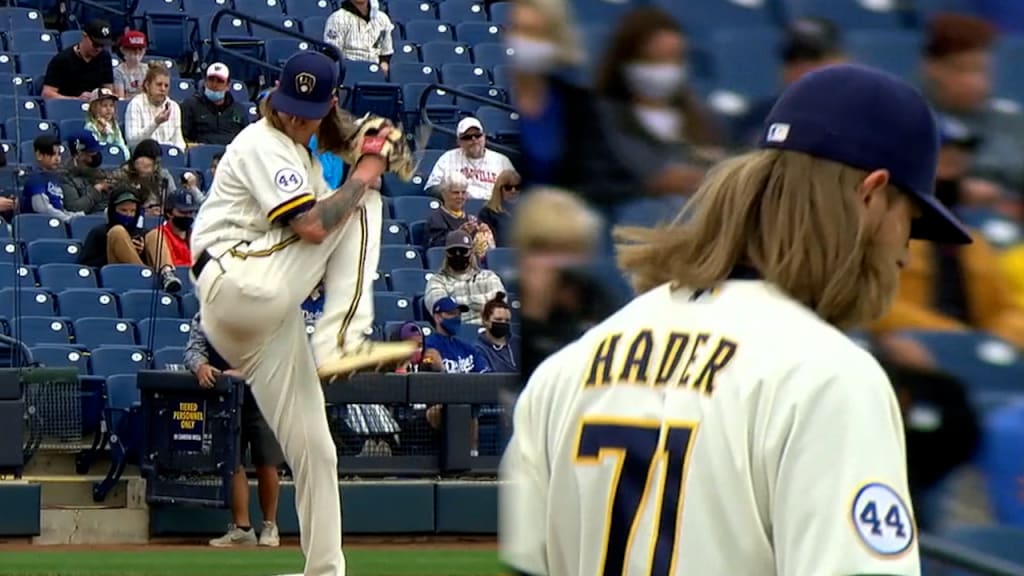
(187,414)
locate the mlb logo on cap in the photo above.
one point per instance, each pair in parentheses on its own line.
(777,132)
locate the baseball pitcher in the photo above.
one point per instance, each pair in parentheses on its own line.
(722,423)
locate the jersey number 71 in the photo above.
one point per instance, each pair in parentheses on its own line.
(637,447)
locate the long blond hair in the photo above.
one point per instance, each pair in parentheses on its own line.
(496,203)
(793,217)
(555,220)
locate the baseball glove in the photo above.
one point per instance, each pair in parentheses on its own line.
(365,139)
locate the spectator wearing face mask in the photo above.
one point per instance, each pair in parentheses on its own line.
(151,180)
(213,116)
(461,279)
(85,186)
(43,193)
(457,355)
(655,124)
(478,165)
(180,213)
(497,343)
(121,240)
(130,73)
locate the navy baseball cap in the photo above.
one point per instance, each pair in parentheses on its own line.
(184,201)
(83,141)
(309,82)
(870,120)
(446,304)
(953,132)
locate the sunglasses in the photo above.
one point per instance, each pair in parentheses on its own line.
(458,251)
(468,137)
(509,187)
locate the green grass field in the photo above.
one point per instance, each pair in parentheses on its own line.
(205,562)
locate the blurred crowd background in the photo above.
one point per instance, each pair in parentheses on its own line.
(624,106)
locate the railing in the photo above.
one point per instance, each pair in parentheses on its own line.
(226,47)
(512,153)
(954,555)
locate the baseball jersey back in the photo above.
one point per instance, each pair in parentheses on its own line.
(729,432)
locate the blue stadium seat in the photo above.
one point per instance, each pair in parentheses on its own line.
(489,54)
(173,157)
(21,19)
(406,11)
(1009,68)
(29,40)
(470,332)
(848,14)
(895,51)
(121,277)
(437,54)
(20,86)
(379,98)
(747,62)
(59,110)
(380,282)
(35,330)
(474,33)
(23,276)
(458,74)
(140,304)
(500,13)
(418,232)
(31,63)
(109,156)
(286,22)
(411,281)
(12,252)
(280,49)
(357,72)
(182,89)
(189,305)
(314,26)
(82,225)
(429,159)
(497,120)
(392,307)
(66,276)
(424,31)
(391,257)
(411,72)
(168,34)
(406,52)
(53,252)
(123,415)
(701,16)
(70,126)
(8,63)
(31,227)
(262,9)
(201,156)
(394,232)
(394,186)
(163,332)
(69,38)
(411,93)
(157,7)
(26,130)
(412,208)
(504,262)
(168,358)
(647,212)
(95,332)
(309,9)
(502,76)
(110,360)
(474,205)
(435,258)
(61,356)
(462,11)
(1000,542)
(470,107)
(77,303)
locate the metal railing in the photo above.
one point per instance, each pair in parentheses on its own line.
(227,47)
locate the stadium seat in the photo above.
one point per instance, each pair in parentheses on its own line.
(418,232)
(59,110)
(895,51)
(410,72)
(423,31)
(437,54)
(470,332)
(53,252)
(82,225)
(35,330)
(140,304)
(11,252)
(189,305)
(201,156)
(95,332)
(16,91)
(110,360)
(169,358)
(395,186)
(406,52)
(31,227)
(71,37)
(503,261)
(168,34)
(411,94)
(262,9)
(29,40)
(173,157)
(496,120)
(71,125)
(60,356)
(357,72)
(31,63)
(394,232)
(747,62)
(848,14)
(309,8)
(380,282)
(462,11)
(502,76)
(26,130)
(12,18)
(120,277)
(411,208)
(314,26)
(430,158)
(124,422)
(405,11)
(457,74)
(474,205)
(435,258)
(109,156)
(1000,542)
(411,281)
(16,274)
(378,98)
(474,33)
(182,89)
(8,64)
(77,303)
(280,49)
(392,307)
(392,257)
(1001,462)
(647,212)
(157,7)
(489,54)
(64,276)
(1009,67)
(163,332)
(700,16)
(484,91)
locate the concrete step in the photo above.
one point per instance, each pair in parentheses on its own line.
(67,492)
(62,463)
(93,526)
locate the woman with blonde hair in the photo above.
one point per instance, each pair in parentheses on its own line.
(152,114)
(731,363)
(497,213)
(101,120)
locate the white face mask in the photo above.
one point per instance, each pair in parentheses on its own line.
(532,55)
(655,81)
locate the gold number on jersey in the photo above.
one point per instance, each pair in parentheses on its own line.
(638,447)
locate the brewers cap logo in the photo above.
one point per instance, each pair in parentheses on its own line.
(105,31)
(305,83)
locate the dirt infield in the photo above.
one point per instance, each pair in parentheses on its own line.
(353,542)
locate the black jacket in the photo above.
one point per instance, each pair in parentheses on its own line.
(204,122)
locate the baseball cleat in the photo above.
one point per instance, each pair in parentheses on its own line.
(371,357)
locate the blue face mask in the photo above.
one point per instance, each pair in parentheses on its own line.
(452,325)
(129,222)
(214,95)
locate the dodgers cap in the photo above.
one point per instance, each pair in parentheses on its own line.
(83,141)
(446,304)
(309,82)
(870,120)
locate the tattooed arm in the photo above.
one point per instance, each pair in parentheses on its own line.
(334,211)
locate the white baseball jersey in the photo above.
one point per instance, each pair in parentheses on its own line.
(481,172)
(725,433)
(263,178)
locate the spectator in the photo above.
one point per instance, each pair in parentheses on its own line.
(809,44)
(101,120)
(257,438)
(177,228)
(313,307)
(497,213)
(451,215)
(461,279)
(121,240)
(42,193)
(85,186)
(213,117)
(332,164)
(361,33)
(958,82)
(144,172)
(655,123)
(472,159)
(152,114)
(420,361)
(131,73)
(497,343)
(78,70)
(191,180)
(7,206)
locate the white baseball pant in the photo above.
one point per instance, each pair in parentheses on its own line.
(251,299)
